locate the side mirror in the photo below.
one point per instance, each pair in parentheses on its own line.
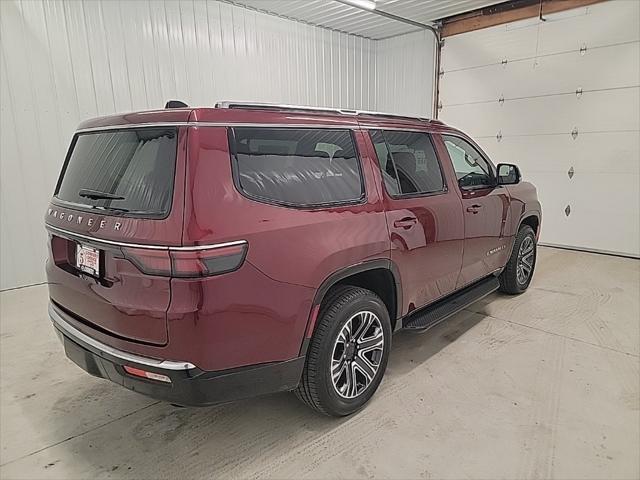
(508,174)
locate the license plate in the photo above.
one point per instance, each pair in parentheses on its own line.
(88,260)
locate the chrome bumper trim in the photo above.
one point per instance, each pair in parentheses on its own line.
(75,334)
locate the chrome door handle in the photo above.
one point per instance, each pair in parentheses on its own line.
(474,209)
(405,223)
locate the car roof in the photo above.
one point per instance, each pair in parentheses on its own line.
(229,113)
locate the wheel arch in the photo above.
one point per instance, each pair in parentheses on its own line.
(533,220)
(375,275)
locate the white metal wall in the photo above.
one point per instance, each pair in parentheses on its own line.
(405,73)
(62,62)
(536,68)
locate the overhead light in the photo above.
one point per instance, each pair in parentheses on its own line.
(364,4)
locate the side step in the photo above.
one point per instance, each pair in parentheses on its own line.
(442,309)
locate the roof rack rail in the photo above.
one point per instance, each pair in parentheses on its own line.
(306,108)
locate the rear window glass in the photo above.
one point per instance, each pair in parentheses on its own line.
(126,171)
(293,166)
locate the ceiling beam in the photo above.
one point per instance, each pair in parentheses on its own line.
(391,16)
(507,13)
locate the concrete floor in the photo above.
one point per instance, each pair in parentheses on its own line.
(544,385)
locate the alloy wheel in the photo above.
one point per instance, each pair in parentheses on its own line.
(526,256)
(356,355)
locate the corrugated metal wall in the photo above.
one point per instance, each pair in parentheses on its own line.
(404,74)
(62,62)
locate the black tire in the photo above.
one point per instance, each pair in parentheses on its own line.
(316,388)
(511,281)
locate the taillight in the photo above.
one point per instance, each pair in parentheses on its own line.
(152,262)
(202,263)
(188,262)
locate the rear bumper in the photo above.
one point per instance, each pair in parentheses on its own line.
(190,386)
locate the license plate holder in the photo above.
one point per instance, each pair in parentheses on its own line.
(88,260)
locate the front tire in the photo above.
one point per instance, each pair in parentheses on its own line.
(517,274)
(348,353)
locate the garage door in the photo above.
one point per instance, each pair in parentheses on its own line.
(561,98)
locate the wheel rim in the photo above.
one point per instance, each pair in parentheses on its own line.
(526,257)
(357,353)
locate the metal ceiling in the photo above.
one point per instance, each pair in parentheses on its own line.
(346,18)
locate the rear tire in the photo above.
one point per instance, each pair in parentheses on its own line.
(517,274)
(348,352)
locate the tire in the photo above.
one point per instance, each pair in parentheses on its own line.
(330,346)
(513,280)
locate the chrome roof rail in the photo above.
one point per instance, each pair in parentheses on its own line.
(306,108)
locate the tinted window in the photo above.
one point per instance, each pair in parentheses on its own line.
(301,167)
(415,166)
(133,168)
(472,170)
(386,164)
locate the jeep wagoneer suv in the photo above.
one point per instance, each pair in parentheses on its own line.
(201,255)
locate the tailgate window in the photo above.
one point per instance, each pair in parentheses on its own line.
(129,171)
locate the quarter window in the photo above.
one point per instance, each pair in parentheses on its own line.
(298,167)
(408,162)
(472,170)
(387,168)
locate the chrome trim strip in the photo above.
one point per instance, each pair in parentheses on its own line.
(282,106)
(129,126)
(360,126)
(339,126)
(194,248)
(307,108)
(408,128)
(76,334)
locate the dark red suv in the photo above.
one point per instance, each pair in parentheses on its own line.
(201,255)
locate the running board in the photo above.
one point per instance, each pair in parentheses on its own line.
(442,309)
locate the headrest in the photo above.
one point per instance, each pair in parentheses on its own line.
(405,162)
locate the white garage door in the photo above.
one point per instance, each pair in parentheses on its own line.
(561,99)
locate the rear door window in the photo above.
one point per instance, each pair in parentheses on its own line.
(408,162)
(125,171)
(296,166)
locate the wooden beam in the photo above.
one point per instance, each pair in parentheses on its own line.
(471,21)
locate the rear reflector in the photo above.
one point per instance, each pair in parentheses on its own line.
(188,263)
(312,321)
(136,372)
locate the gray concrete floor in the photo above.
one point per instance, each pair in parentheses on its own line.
(544,385)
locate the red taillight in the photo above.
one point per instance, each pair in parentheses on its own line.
(202,263)
(153,262)
(136,372)
(188,262)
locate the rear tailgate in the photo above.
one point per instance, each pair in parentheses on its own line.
(120,193)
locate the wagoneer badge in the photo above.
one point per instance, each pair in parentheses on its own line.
(496,250)
(81,220)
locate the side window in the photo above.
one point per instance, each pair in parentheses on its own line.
(296,166)
(411,165)
(472,170)
(386,164)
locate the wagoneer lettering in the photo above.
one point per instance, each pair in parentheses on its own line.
(80,220)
